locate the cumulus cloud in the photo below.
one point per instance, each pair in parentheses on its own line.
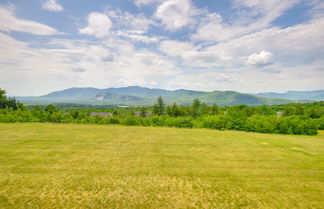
(175,14)
(101,64)
(261,59)
(212,28)
(52,5)
(287,44)
(176,48)
(254,16)
(9,22)
(132,26)
(99,25)
(128,21)
(234,54)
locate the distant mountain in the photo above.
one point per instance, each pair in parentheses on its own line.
(316,95)
(135,95)
(139,91)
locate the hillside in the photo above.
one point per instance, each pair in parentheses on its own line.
(135,95)
(316,95)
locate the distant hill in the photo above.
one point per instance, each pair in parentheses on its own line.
(316,95)
(135,95)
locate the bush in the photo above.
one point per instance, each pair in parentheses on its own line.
(157,121)
(235,120)
(298,125)
(320,123)
(113,120)
(262,124)
(214,122)
(131,121)
(179,122)
(10,115)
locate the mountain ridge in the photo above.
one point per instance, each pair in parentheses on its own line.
(136,95)
(315,95)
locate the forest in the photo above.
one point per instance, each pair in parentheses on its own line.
(294,118)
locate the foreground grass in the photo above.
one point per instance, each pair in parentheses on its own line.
(92,166)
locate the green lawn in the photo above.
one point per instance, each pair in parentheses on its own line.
(99,166)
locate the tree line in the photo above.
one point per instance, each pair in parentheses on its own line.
(295,118)
(11,103)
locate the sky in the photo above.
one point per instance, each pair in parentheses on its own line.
(240,45)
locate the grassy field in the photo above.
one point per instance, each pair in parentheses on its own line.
(99,166)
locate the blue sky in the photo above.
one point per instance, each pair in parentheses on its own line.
(241,45)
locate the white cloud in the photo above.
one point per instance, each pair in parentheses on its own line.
(254,15)
(225,57)
(175,14)
(317,8)
(261,59)
(64,63)
(176,48)
(265,6)
(204,81)
(140,3)
(131,26)
(78,70)
(52,5)
(99,25)
(287,44)
(129,21)
(212,28)
(8,22)
(133,35)
(203,59)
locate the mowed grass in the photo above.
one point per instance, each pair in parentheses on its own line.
(99,166)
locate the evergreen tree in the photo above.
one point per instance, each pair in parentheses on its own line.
(10,103)
(173,110)
(214,109)
(196,107)
(159,107)
(3,98)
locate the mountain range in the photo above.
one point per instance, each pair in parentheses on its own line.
(136,95)
(316,95)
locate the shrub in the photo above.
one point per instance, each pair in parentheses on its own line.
(131,121)
(214,122)
(179,122)
(157,121)
(112,120)
(262,124)
(320,123)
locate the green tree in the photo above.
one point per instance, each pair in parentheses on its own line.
(173,110)
(313,112)
(299,110)
(51,109)
(11,103)
(159,107)
(214,110)
(196,107)
(143,112)
(3,98)
(115,113)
